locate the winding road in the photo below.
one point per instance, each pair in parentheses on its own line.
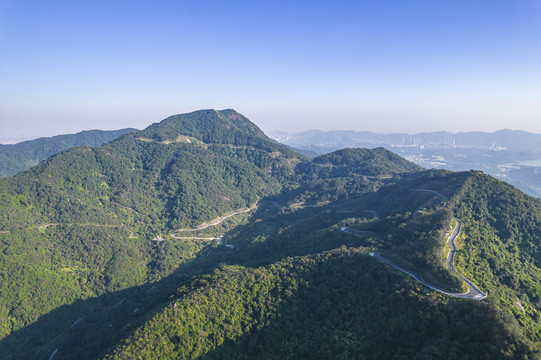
(51,358)
(473,292)
(218,220)
(209,224)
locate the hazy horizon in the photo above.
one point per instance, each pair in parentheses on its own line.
(48,133)
(388,67)
(15,140)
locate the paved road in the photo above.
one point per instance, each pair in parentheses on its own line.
(219,220)
(51,358)
(174,236)
(473,292)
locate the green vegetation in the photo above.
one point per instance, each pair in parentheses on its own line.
(376,162)
(102,254)
(22,156)
(501,248)
(90,219)
(340,304)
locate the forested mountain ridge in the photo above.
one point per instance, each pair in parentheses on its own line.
(378,161)
(21,156)
(89,220)
(375,162)
(157,171)
(335,305)
(209,126)
(509,155)
(502,241)
(346,306)
(98,260)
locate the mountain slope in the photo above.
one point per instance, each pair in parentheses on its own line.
(111,252)
(21,156)
(340,304)
(502,246)
(346,174)
(89,220)
(511,156)
(344,304)
(375,162)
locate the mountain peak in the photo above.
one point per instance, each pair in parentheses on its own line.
(209,126)
(379,161)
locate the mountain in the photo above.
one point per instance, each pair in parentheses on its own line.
(199,237)
(82,223)
(326,298)
(376,162)
(509,155)
(333,305)
(21,156)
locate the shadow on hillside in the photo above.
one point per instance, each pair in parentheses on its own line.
(349,306)
(86,328)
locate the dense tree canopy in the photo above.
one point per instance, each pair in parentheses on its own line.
(21,156)
(200,237)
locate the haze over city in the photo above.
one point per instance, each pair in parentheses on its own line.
(394,66)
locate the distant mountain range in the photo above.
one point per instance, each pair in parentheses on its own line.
(17,157)
(512,156)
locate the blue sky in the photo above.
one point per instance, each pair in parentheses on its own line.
(384,66)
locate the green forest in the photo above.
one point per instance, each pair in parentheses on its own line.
(199,237)
(22,156)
